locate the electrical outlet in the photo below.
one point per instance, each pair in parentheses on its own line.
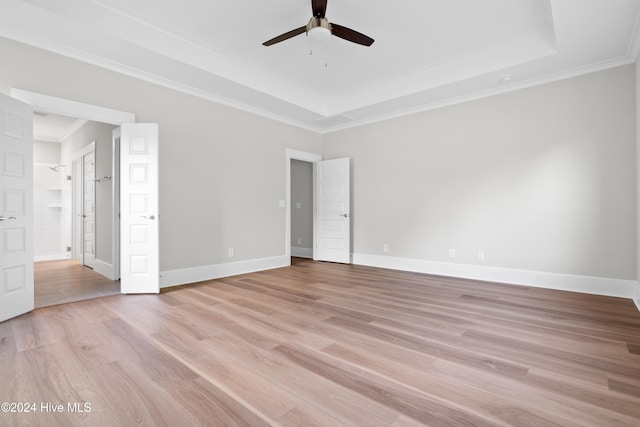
(230,252)
(299,240)
(385,247)
(298,205)
(481,255)
(452,253)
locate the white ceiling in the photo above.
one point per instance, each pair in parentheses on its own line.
(427,53)
(54,127)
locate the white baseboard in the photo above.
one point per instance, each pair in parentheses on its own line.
(636,298)
(55,257)
(103,268)
(302,252)
(185,276)
(565,282)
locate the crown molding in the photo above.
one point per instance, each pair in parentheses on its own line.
(512,87)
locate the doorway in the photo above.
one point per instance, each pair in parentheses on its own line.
(78,211)
(331,201)
(303,168)
(68,271)
(301,209)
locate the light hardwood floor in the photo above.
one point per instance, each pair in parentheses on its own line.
(329,345)
(58,282)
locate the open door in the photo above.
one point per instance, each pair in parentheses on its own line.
(16,208)
(139,255)
(333,211)
(89,208)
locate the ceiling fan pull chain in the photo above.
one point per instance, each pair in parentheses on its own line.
(326,54)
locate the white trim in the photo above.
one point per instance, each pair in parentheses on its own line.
(565,282)
(185,276)
(115,202)
(53,257)
(483,93)
(66,107)
(87,149)
(323,111)
(636,298)
(291,154)
(302,252)
(166,82)
(103,268)
(52,104)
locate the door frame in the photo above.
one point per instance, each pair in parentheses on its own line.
(79,155)
(66,107)
(291,154)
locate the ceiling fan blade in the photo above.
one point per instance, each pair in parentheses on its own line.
(285,36)
(319,8)
(350,35)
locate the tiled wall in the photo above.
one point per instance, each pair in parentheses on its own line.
(48,206)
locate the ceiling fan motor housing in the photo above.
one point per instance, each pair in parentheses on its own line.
(319,26)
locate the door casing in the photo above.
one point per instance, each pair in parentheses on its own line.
(291,154)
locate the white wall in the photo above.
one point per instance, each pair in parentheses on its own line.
(541,179)
(301,208)
(101,134)
(222,171)
(46,152)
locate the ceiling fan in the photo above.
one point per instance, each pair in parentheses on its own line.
(319,24)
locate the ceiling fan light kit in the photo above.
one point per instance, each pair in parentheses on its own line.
(320,26)
(318,30)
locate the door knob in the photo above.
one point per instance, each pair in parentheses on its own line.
(345,215)
(148,217)
(4,219)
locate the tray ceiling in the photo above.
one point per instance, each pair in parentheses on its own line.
(426,54)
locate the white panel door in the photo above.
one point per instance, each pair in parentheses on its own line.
(139,256)
(16,208)
(333,211)
(89,209)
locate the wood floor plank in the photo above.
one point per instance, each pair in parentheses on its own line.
(136,399)
(624,387)
(64,281)
(213,407)
(349,407)
(306,415)
(224,372)
(417,406)
(515,397)
(584,393)
(321,344)
(500,409)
